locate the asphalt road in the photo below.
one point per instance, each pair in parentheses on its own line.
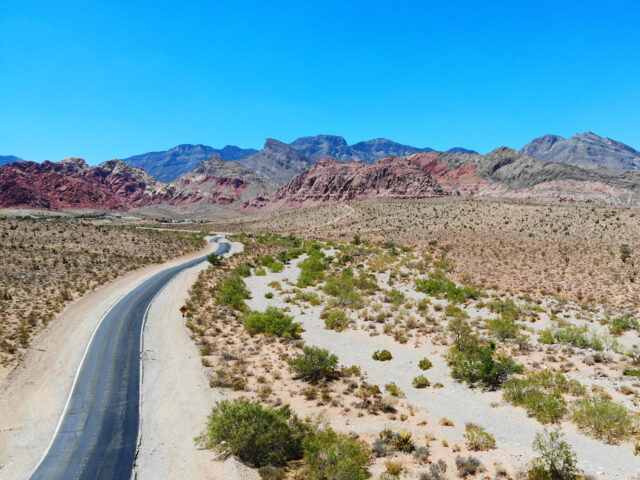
(98,434)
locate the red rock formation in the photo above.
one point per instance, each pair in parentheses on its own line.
(330,181)
(71,183)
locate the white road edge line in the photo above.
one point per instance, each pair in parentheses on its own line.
(75,379)
(134,474)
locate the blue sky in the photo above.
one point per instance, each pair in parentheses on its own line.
(111,79)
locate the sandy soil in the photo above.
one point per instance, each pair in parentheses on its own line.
(513,430)
(33,395)
(176,397)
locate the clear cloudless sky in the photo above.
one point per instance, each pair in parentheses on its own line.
(110,79)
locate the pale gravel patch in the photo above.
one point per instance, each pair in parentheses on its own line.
(513,430)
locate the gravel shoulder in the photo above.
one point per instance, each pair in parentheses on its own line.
(176,397)
(34,393)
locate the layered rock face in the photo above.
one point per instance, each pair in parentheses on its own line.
(71,183)
(225,183)
(503,173)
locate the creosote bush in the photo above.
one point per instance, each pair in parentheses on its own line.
(334,456)
(477,438)
(233,292)
(425,364)
(555,461)
(315,365)
(420,382)
(382,355)
(272,322)
(256,434)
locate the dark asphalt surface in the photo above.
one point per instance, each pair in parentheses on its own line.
(98,435)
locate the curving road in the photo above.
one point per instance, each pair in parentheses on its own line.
(98,433)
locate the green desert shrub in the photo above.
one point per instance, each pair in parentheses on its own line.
(477,438)
(541,393)
(273,322)
(214,259)
(311,297)
(580,337)
(394,390)
(260,272)
(336,320)
(438,285)
(243,270)
(394,296)
(233,292)
(604,419)
(420,382)
(311,270)
(506,308)
(276,266)
(315,365)
(619,325)
(555,461)
(334,456)
(503,328)
(343,289)
(382,355)
(256,434)
(480,365)
(425,364)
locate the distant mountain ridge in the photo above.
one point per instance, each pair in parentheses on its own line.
(6,159)
(502,173)
(277,161)
(586,149)
(369,151)
(168,165)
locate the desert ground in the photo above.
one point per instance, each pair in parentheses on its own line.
(574,356)
(461,330)
(568,251)
(47,263)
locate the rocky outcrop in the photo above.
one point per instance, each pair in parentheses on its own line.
(586,149)
(169,165)
(503,173)
(225,183)
(330,181)
(277,161)
(71,183)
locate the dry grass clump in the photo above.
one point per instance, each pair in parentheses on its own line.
(47,263)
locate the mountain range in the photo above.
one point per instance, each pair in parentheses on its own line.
(586,149)
(502,173)
(168,165)
(281,176)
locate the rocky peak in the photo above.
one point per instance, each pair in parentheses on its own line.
(77,164)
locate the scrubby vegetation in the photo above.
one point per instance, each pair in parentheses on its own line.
(257,434)
(555,461)
(272,322)
(335,456)
(233,292)
(438,285)
(542,394)
(478,438)
(46,263)
(315,365)
(382,355)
